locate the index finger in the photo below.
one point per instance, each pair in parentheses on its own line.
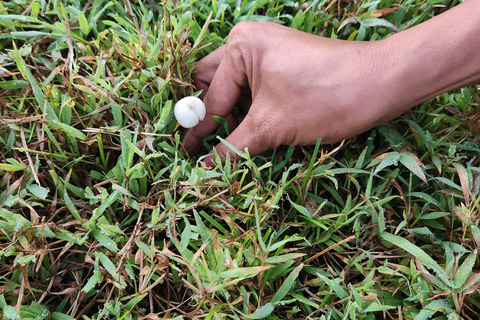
(205,70)
(222,94)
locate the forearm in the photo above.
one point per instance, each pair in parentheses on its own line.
(436,56)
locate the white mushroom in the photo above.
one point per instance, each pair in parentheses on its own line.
(189,111)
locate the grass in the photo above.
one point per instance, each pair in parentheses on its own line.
(103,216)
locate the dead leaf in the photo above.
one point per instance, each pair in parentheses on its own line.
(381,12)
(145,270)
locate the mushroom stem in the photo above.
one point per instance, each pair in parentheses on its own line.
(186,135)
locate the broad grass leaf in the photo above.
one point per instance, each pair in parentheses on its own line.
(24,260)
(386,270)
(284,258)
(298,20)
(213,311)
(310,166)
(420,230)
(243,272)
(287,284)
(304,300)
(165,117)
(34,311)
(201,229)
(117,113)
(415,251)
(65,113)
(10,313)
(145,248)
(222,285)
(276,245)
(107,263)
(280,165)
(262,312)
(426,197)
(353,19)
(61,316)
(350,171)
(434,215)
(36,6)
(385,160)
(207,174)
(465,270)
(300,208)
(361,160)
(449,183)
(15,222)
(96,278)
(438,163)
(476,234)
(214,222)
(71,237)
(110,267)
(122,190)
(135,149)
(127,152)
(71,131)
(13,84)
(280,270)
(413,164)
(82,21)
(378,22)
(435,281)
(471,282)
(392,136)
(137,176)
(28,34)
(431,308)
(70,205)
(105,241)
(131,304)
(38,191)
(15,17)
(10,167)
(97,212)
(375,307)
(318,222)
(186,234)
(77,191)
(341,293)
(37,90)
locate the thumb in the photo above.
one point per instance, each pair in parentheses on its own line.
(244,136)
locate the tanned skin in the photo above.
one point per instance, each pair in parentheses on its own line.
(296,87)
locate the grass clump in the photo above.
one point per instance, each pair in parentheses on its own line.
(103,216)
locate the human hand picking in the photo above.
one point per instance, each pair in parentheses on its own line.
(296,87)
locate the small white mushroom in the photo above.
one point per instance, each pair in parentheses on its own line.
(189,111)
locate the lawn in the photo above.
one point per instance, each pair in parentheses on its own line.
(104,216)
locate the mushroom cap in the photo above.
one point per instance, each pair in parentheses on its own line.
(189,111)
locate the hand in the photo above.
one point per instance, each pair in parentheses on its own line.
(296,87)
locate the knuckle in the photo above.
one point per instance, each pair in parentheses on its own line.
(241,32)
(249,32)
(240,44)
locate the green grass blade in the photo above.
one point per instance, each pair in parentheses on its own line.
(465,270)
(418,253)
(287,284)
